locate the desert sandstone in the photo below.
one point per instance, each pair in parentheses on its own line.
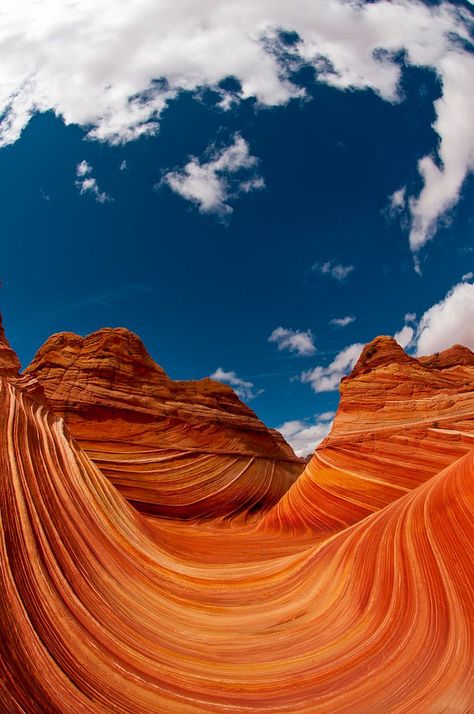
(163,551)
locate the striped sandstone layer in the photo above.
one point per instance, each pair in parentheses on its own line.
(179,449)
(98,615)
(400,421)
(9,362)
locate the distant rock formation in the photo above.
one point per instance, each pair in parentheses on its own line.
(173,448)
(399,422)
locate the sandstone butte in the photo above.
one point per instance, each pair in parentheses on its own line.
(179,449)
(346,589)
(399,422)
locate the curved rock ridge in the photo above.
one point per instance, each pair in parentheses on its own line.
(400,420)
(180,449)
(98,615)
(453,357)
(9,362)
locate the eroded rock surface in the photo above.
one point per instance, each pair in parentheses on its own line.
(364,607)
(400,421)
(173,448)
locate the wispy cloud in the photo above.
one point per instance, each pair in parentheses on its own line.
(86,183)
(222,176)
(106,298)
(327,379)
(397,200)
(335,270)
(397,208)
(342,321)
(293,340)
(242,387)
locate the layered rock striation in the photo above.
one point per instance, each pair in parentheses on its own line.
(99,616)
(365,607)
(9,362)
(180,449)
(400,421)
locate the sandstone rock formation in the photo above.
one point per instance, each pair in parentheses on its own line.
(9,362)
(399,422)
(106,609)
(97,616)
(174,448)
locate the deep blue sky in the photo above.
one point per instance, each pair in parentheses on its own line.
(202,292)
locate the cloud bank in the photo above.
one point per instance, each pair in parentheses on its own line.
(114,68)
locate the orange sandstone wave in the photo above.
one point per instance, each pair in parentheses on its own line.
(400,421)
(98,615)
(365,607)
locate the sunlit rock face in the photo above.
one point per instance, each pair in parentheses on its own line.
(105,608)
(180,449)
(400,421)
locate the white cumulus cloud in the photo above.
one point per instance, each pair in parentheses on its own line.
(83,168)
(448,322)
(243,388)
(114,67)
(326,379)
(305,436)
(211,184)
(88,184)
(443,176)
(404,337)
(293,340)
